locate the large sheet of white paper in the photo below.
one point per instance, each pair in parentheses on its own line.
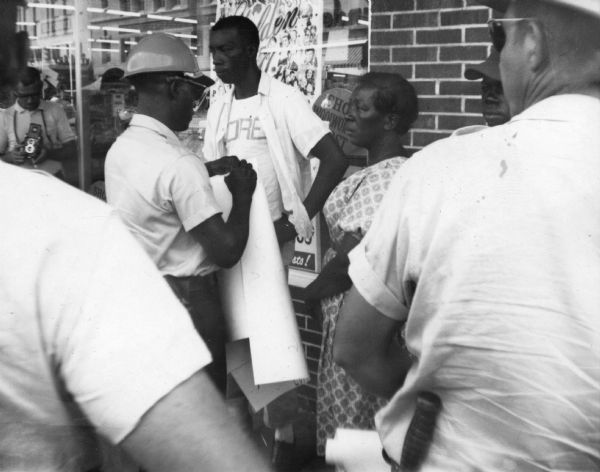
(256,298)
(355,450)
(239,365)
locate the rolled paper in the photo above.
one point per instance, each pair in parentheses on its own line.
(355,450)
(256,298)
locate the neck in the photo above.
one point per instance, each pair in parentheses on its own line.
(555,84)
(156,109)
(248,84)
(388,145)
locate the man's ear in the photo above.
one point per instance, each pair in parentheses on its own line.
(173,87)
(535,46)
(252,50)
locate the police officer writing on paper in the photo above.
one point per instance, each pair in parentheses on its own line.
(162,191)
(38,130)
(479,276)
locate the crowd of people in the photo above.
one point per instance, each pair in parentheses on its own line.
(465,275)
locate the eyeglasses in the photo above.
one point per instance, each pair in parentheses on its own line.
(497,31)
(200,90)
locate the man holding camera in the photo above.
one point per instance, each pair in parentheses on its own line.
(37,132)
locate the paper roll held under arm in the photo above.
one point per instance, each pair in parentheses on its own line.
(256,298)
(355,450)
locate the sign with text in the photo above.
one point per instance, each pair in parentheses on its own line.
(332,106)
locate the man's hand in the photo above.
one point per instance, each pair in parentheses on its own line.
(41,157)
(284,230)
(15,156)
(223,165)
(241,181)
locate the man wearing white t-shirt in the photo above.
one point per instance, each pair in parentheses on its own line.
(271,125)
(479,278)
(96,349)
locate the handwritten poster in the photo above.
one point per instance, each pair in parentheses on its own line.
(290,39)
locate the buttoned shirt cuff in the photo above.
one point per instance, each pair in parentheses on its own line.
(372,288)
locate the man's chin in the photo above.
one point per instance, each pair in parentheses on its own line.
(495,119)
(225,78)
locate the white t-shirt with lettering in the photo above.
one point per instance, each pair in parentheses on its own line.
(246,139)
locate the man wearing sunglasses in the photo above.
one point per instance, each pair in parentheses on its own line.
(479,276)
(494,105)
(162,191)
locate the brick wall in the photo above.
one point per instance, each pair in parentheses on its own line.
(429,42)
(310,332)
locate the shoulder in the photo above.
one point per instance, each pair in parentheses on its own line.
(56,207)
(279,90)
(473,149)
(185,167)
(52,108)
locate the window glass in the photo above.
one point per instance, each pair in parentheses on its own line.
(315,45)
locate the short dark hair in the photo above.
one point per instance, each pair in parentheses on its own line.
(29,76)
(393,94)
(244,26)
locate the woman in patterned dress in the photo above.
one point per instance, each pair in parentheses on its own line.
(382,108)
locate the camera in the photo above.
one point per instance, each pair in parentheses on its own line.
(33,142)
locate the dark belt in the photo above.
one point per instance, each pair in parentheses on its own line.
(183,286)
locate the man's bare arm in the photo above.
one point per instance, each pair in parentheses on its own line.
(332,166)
(224,242)
(190,430)
(366,345)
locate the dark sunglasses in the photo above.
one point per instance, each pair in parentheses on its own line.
(497,31)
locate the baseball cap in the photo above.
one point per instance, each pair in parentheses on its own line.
(489,68)
(591,7)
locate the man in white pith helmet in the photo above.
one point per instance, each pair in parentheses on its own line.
(479,277)
(163,194)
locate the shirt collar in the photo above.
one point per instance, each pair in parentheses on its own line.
(264,85)
(19,109)
(145,121)
(565,107)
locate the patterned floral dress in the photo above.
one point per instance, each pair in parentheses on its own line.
(350,208)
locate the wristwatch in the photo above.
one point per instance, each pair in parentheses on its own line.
(286,223)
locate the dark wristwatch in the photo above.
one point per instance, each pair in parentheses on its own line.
(286,223)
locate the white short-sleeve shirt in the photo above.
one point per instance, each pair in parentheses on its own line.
(488,245)
(90,333)
(161,191)
(56,130)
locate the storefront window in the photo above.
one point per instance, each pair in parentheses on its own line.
(314,45)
